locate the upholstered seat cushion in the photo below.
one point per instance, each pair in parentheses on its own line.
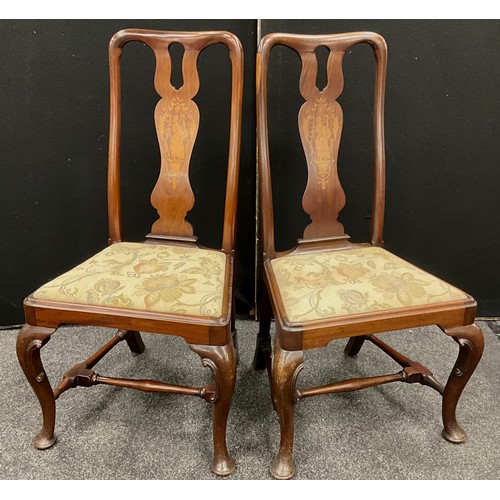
(337,283)
(168,279)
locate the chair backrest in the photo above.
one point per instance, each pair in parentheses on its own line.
(176,119)
(320,125)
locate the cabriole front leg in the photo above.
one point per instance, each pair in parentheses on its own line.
(29,342)
(286,367)
(471,341)
(222,361)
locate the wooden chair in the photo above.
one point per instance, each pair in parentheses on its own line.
(329,288)
(168,284)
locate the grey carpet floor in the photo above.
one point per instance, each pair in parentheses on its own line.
(387,432)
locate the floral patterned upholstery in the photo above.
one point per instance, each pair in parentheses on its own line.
(338,283)
(169,279)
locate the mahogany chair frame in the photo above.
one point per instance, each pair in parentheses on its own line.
(285,361)
(213,339)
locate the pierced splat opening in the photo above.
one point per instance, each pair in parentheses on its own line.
(322,54)
(176,51)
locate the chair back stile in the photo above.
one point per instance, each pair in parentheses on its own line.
(177,121)
(320,125)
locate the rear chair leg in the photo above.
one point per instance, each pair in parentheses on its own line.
(29,342)
(134,341)
(263,346)
(354,345)
(234,332)
(285,370)
(471,342)
(222,361)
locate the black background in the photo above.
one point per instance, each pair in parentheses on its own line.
(442,144)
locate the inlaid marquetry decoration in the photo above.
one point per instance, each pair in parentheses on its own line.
(177,119)
(320,126)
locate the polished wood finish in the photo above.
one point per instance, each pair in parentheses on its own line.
(351,385)
(29,342)
(70,378)
(471,342)
(285,370)
(222,361)
(175,143)
(320,126)
(331,199)
(320,121)
(176,118)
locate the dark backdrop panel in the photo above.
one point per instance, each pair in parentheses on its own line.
(54,89)
(443,153)
(441,128)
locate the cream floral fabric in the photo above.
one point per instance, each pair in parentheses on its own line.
(365,279)
(170,279)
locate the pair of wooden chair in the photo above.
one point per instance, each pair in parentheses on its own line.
(325,288)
